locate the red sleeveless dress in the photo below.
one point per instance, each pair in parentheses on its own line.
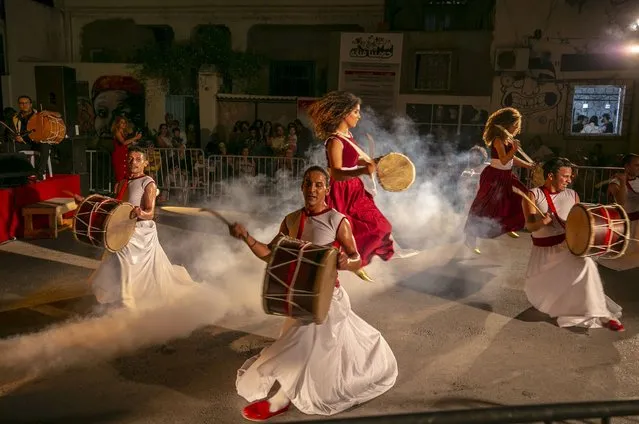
(118,159)
(496,209)
(371,229)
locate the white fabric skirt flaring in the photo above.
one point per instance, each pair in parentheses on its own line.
(568,287)
(323,369)
(140,272)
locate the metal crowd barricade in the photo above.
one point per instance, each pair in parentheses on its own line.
(180,173)
(590,182)
(266,175)
(100,171)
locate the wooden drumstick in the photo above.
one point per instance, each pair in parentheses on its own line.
(217,215)
(519,149)
(603,183)
(528,199)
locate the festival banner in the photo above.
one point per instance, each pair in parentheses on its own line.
(370,67)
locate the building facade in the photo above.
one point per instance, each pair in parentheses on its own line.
(569,67)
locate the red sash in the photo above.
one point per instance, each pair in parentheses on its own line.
(549,241)
(120,194)
(551,207)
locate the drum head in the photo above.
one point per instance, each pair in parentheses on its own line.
(324,285)
(395,172)
(579,230)
(119,227)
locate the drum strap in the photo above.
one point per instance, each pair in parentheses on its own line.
(629,187)
(120,194)
(551,207)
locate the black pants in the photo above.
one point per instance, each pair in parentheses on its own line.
(41,159)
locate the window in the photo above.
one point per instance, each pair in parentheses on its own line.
(459,124)
(432,71)
(292,79)
(597,109)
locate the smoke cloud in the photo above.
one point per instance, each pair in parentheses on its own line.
(428,215)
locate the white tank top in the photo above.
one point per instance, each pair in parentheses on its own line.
(632,200)
(135,190)
(563,201)
(320,229)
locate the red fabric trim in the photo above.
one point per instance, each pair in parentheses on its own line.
(125,185)
(551,207)
(549,241)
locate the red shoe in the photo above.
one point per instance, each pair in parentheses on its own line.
(259,411)
(614,325)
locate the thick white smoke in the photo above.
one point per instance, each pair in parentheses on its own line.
(424,217)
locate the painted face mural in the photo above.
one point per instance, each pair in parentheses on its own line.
(112,96)
(533,93)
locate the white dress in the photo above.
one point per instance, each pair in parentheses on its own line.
(560,284)
(630,259)
(140,272)
(328,368)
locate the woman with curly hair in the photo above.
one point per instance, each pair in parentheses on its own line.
(497,209)
(332,117)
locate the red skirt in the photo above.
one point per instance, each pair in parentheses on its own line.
(496,209)
(371,229)
(118,158)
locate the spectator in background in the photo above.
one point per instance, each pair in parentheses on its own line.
(606,124)
(278,141)
(164,138)
(592,127)
(579,123)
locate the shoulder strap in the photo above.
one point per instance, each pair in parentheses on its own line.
(355,146)
(551,207)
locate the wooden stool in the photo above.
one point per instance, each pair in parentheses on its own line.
(54,209)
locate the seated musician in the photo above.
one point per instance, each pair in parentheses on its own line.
(321,369)
(141,271)
(20,121)
(624,190)
(558,283)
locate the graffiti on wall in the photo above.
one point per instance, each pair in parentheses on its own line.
(109,97)
(538,95)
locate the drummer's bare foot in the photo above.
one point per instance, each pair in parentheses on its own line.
(513,234)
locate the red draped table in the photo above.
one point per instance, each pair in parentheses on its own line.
(12,200)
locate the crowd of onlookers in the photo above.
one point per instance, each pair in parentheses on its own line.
(264,139)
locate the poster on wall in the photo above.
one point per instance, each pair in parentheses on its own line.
(370,66)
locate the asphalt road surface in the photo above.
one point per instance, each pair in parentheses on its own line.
(460,326)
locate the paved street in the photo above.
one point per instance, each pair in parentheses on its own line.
(460,326)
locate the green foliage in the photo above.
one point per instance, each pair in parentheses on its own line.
(176,65)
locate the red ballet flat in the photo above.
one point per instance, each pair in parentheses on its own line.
(259,411)
(614,325)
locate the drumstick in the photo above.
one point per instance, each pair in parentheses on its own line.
(528,199)
(217,215)
(519,149)
(603,183)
